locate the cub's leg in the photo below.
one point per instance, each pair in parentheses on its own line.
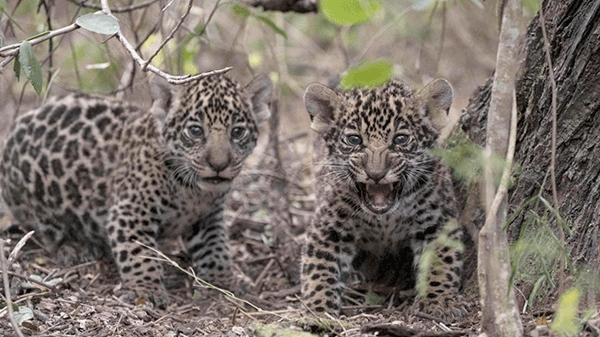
(439,268)
(208,247)
(325,266)
(131,235)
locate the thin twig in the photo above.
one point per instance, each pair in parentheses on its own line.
(210,16)
(379,33)
(11,315)
(170,36)
(422,44)
(561,233)
(32,280)
(163,258)
(6,61)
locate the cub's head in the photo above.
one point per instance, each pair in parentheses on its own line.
(209,127)
(377,140)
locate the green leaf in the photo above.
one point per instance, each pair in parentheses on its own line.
(24,314)
(368,74)
(463,156)
(17,68)
(349,12)
(372,298)
(532,6)
(566,322)
(272,25)
(3,6)
(30,66)
(99,23)
(239,10)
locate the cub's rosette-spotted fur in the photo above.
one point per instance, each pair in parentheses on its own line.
(382,199)
(94,176)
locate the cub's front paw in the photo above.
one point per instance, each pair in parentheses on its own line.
(449,307)
(144,293)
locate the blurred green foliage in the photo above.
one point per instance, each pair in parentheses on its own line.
(349,12)
(246,13)
(367,74)
(566,321)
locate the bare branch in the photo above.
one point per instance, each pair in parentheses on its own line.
(10,51)
(115,10)
(13,49)
(561,233)
(148,67)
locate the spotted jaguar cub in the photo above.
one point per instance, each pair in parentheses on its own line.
(95,176)
(383,200)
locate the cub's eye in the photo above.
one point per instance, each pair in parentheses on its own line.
(353,140)
(401,140)
(238,132)
(195,131)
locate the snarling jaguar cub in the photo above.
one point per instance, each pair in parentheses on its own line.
(383,200)
(96,176)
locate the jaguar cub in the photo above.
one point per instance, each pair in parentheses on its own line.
(383,199)
(95,176)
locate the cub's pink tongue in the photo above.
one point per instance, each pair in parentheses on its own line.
(379,195)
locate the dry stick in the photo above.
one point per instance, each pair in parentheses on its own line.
(210,16)
(170,36)
(561,233)
(7,290)
(170,78)
(18,246)
(116,10)
(13,49)
(32,280)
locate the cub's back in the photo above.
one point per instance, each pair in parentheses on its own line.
(57,158)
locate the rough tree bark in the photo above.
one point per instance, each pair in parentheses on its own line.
(574,36)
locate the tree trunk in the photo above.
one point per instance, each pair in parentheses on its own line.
(574,35)
(500,316)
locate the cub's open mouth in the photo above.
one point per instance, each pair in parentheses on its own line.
(378,198)
(216,180)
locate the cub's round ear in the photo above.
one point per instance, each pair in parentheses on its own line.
(437,99)
(162,97)
(259,91)
(321,103)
